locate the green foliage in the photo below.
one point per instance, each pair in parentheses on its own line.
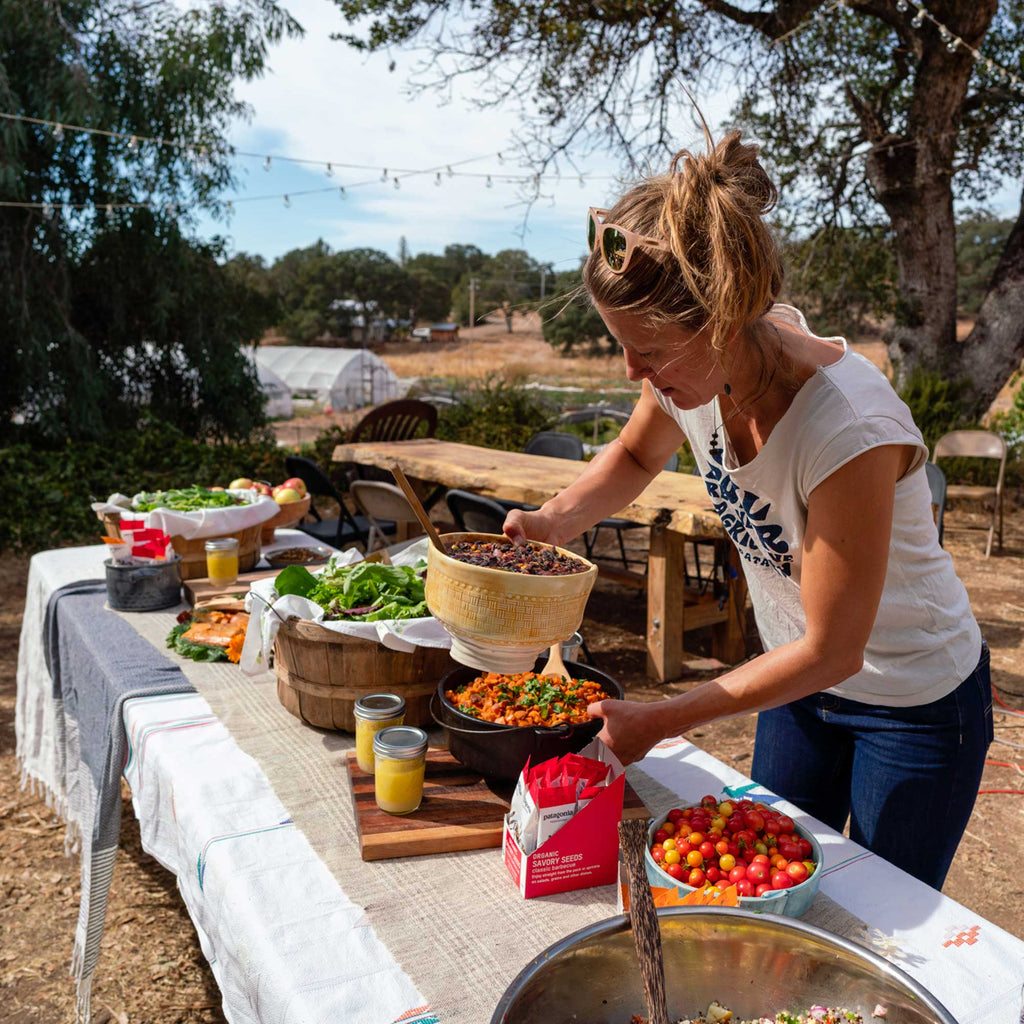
(571,324)
(936,404)
(511,276)
(980,240)
(1011,425)
(48,487)
(495,413)
(104,303)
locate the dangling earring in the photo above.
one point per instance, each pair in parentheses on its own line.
(728,388)
(714,433)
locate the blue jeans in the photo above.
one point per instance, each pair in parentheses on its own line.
(907,777)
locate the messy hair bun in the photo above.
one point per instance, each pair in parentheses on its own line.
(724,270)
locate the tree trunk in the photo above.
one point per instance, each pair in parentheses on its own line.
(995,347)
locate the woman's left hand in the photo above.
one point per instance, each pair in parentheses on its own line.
(630,729)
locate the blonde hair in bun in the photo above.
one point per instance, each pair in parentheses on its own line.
(724,270)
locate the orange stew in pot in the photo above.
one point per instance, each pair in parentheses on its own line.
(526,698)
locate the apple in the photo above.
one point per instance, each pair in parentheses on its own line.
(243,483)
(263,488)
(285,495)
(216,488)
(296,485)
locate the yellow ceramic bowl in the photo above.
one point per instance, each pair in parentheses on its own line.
(502,621)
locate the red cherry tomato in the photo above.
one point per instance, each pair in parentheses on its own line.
(786,823)
(677,871)
(661,835)
(722,884)
(713,874)
(758,872)
(780,880)
(748,854)
(745,887)
(707,850)
(675,814)
(683,847)
(791,851)
(721,847)
(737,873)
(754,820)
(709,801)
(658,853)
(805,847)
(761,858)
(771,827)
(797,871)
(762,889)
(696,878)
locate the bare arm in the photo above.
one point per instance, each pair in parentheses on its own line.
(845,556)
(610,481)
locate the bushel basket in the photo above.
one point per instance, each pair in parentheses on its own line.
(321,673)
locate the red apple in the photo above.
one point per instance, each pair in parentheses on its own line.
(263,488)
(296,485)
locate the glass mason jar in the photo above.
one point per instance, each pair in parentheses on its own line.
(400,756)
(372,713)
(222,560)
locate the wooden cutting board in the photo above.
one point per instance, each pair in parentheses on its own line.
(460,811)
(203,589)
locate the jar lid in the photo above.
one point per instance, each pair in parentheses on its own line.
(379,707)
(400,741)
(221,544)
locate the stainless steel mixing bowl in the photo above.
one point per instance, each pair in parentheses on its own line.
(755,964)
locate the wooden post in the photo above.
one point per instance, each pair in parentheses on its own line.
(665,604)
(728,639)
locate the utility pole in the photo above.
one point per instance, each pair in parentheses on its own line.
(472,302)
(543,275)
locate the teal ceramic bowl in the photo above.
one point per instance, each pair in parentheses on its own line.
(792,902)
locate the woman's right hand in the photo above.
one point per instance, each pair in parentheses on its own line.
(521,526)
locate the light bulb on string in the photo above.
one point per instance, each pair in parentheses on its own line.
(384,175)
(48,211)
(330,171)
(109,213)
(58,133)
(943,32)
(918,19)
(952,45)
(437,179)
(583,184)
(489,183)
(133,144)
(901,6)
(266,164)
(501,160)
(228,206)
(451,173)
(287,201)
(398,184)
(341,192)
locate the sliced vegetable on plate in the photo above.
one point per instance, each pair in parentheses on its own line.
(210,633)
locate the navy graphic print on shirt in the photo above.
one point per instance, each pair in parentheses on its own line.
(745,518)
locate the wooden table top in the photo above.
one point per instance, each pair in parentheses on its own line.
(677,501)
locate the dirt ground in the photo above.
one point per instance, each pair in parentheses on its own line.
(151,969)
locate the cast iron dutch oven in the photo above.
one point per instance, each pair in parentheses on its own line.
(500,751)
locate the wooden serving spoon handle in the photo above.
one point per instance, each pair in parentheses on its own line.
(644,919)
(555,666)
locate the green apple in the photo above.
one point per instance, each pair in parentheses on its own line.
(285,495)
(243,483)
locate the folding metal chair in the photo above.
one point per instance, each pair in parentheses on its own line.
(977,444)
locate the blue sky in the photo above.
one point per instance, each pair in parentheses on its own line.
(322,101)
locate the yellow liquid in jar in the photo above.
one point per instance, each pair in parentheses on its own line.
(398,784)
(222,566)
(365,731)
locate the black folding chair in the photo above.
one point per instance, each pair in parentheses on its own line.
(473,513)
(347,528)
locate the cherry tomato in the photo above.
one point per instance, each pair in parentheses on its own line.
(805,846)
(672,857)
(658,854)
(748,854)
(696,878)
(771,827)
(734,849)
(721,847)
(661,835)
(810,865)
(694,859)
(786,823)
(780,880)
(762,889)
(754,820)
(708,801)
(674,815)
(727,862)
(668,842)
(668,827)
(725,807)
(696,838)
(797,871)
(791,851)
(682,846)
(745,887)
(738,872)
(760,848)
(761,859)
(779,862)
(717,823)
(759,873)
(707,850)
(713,874)
(722,884)
(746,805)
(677,871)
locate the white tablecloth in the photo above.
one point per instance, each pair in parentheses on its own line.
(258,894)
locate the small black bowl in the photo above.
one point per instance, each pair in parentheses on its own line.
(500,751)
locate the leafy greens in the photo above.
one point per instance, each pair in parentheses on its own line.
(364,592)
(185,499)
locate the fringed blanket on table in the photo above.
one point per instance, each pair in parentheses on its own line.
(96,663)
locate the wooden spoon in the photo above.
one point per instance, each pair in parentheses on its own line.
(644,919)
(417,507)
(555,666)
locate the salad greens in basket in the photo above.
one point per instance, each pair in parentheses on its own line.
(363,592)
(185,499)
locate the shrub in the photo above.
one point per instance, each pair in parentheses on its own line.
(495,413)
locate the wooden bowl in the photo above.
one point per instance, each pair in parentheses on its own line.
(502,621)
(290,514)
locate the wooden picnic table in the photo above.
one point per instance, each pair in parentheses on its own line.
(675,506)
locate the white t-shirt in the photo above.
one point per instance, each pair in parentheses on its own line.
(925,640)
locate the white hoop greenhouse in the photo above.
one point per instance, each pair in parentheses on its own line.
(276,394)
(342,378)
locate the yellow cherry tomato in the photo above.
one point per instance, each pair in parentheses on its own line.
(669,844)
(726,862)
(672,857)
(725,808)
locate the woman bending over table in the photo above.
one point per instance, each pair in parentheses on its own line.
(873,693)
